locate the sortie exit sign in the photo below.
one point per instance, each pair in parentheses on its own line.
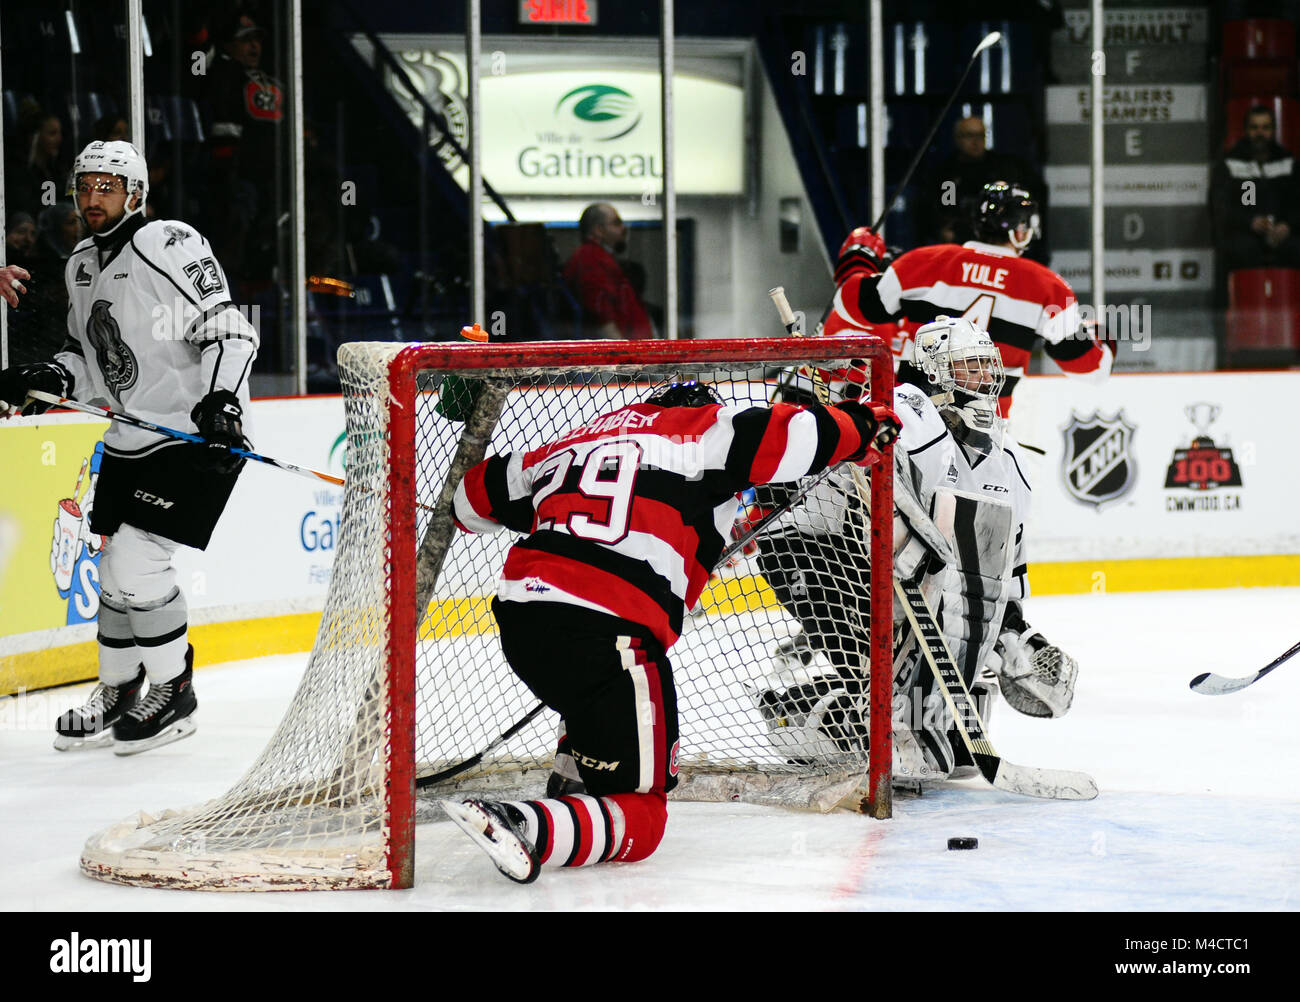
(557,12)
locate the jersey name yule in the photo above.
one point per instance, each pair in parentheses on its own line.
(152,329)
(1016,300)
(628,514)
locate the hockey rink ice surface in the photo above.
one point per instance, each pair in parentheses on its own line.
(1199,809)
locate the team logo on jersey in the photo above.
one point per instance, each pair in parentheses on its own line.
(1098,466)
(175,235)
(82,276)
(116,361)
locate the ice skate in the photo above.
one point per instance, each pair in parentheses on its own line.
(166,714)
(497,829)
(91,724)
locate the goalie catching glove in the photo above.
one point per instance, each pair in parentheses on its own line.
(219,419)
(15,382)
(1036,678)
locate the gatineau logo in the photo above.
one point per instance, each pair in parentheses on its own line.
(610,109)
(75,955)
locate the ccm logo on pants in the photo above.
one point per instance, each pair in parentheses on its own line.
(154,499)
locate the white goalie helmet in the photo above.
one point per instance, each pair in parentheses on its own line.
(963,366)
(116,157)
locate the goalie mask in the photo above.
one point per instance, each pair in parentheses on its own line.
(688,394)
(964,368)
(118,158)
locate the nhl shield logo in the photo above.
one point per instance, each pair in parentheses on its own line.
(1098,466)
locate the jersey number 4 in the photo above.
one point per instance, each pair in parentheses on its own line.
(609,473)
(980,312)
(205,276)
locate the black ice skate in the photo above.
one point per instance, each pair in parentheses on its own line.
(91,724)
(497,829)
(166,714)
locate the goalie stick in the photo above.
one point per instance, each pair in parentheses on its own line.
(1210,684)
(1050,784)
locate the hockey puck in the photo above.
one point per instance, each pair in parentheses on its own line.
(963,843)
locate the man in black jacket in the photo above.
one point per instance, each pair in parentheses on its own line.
(1255,199)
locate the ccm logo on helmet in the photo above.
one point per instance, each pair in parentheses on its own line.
(154,499)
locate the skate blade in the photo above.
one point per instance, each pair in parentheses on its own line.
(173,732)
(104,739)
(511,857)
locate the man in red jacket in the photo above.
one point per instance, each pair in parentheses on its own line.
(609,304)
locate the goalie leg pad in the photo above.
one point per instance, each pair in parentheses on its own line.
(1036,678)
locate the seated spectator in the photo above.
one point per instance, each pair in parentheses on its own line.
(1255,199)
(37,177)
(20,239)
(950,192)
(111,128)
(58,231)
(609,304)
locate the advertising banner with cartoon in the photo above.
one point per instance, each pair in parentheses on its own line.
(49,558)
(272,551)
(1145,466)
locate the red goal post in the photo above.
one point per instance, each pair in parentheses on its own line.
(406,685)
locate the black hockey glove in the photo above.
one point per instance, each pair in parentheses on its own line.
(48,377)
(219,419)
(877,425)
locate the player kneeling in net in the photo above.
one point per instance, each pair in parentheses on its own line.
(625,518)
(960,504)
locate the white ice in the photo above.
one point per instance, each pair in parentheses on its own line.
(1199,811)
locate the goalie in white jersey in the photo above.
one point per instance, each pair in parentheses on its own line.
(960,505)
(151,330)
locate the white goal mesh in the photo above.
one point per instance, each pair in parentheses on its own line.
(392,703)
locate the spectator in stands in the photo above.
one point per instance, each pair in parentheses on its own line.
(58,231)
(111,128)
(38,177)
(1255,199)
(246,107)
(609,304)
(20,239)
(950,192)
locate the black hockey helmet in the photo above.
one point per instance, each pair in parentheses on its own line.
(1006,213)
(687,394)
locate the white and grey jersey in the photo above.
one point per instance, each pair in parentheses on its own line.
(152,330)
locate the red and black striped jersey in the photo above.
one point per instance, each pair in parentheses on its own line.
(629,514)
(1019,303)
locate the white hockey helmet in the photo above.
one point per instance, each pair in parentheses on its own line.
(964,368)
(117,157)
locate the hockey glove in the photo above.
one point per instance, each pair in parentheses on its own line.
(219,418)
(877,425)
(48,377)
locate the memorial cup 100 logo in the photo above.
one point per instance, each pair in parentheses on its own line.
(1202,467)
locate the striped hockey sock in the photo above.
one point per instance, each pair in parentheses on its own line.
(582,830)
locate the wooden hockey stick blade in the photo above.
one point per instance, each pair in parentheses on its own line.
(1210,684)
(1048,784)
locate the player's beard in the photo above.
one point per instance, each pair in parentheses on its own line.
(620,246)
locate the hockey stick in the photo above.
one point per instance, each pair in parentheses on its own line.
(1050,784)
(183,436)
(473,760)
(1210,684)
(992,38)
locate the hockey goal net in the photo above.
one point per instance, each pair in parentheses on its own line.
(406,696)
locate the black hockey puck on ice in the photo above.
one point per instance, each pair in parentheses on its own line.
(963,843)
